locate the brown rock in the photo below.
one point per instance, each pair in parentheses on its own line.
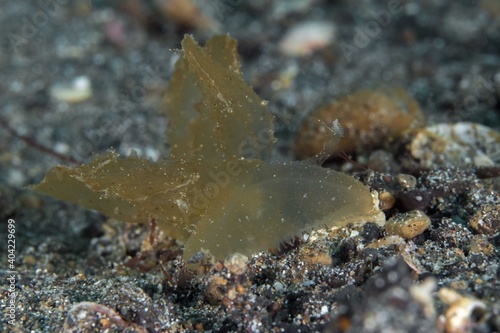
(369,118)
(486,220)
(408,225)
(313,256)
(386,200)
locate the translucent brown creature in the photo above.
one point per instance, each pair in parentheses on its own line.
(217,192)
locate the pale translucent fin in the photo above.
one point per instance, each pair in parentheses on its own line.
(230,117)
(129,189)
(268,204)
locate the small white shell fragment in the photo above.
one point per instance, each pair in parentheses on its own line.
(78,90)
(307,37)
(463,311)
(62,148)
(15,177)
(278,286)
(462,143)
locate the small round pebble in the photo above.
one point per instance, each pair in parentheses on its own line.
(386,200)
(307,37)
(407,181)
(78,90)
(408,225)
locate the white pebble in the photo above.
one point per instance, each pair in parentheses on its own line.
(307,37)
(15,178)
(76,91)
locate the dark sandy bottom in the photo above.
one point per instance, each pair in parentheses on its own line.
(73,267)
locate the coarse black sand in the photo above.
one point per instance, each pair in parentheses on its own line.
(73,268)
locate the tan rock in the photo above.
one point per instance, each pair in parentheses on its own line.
(408,225)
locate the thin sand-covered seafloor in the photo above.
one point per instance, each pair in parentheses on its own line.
(415,86)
